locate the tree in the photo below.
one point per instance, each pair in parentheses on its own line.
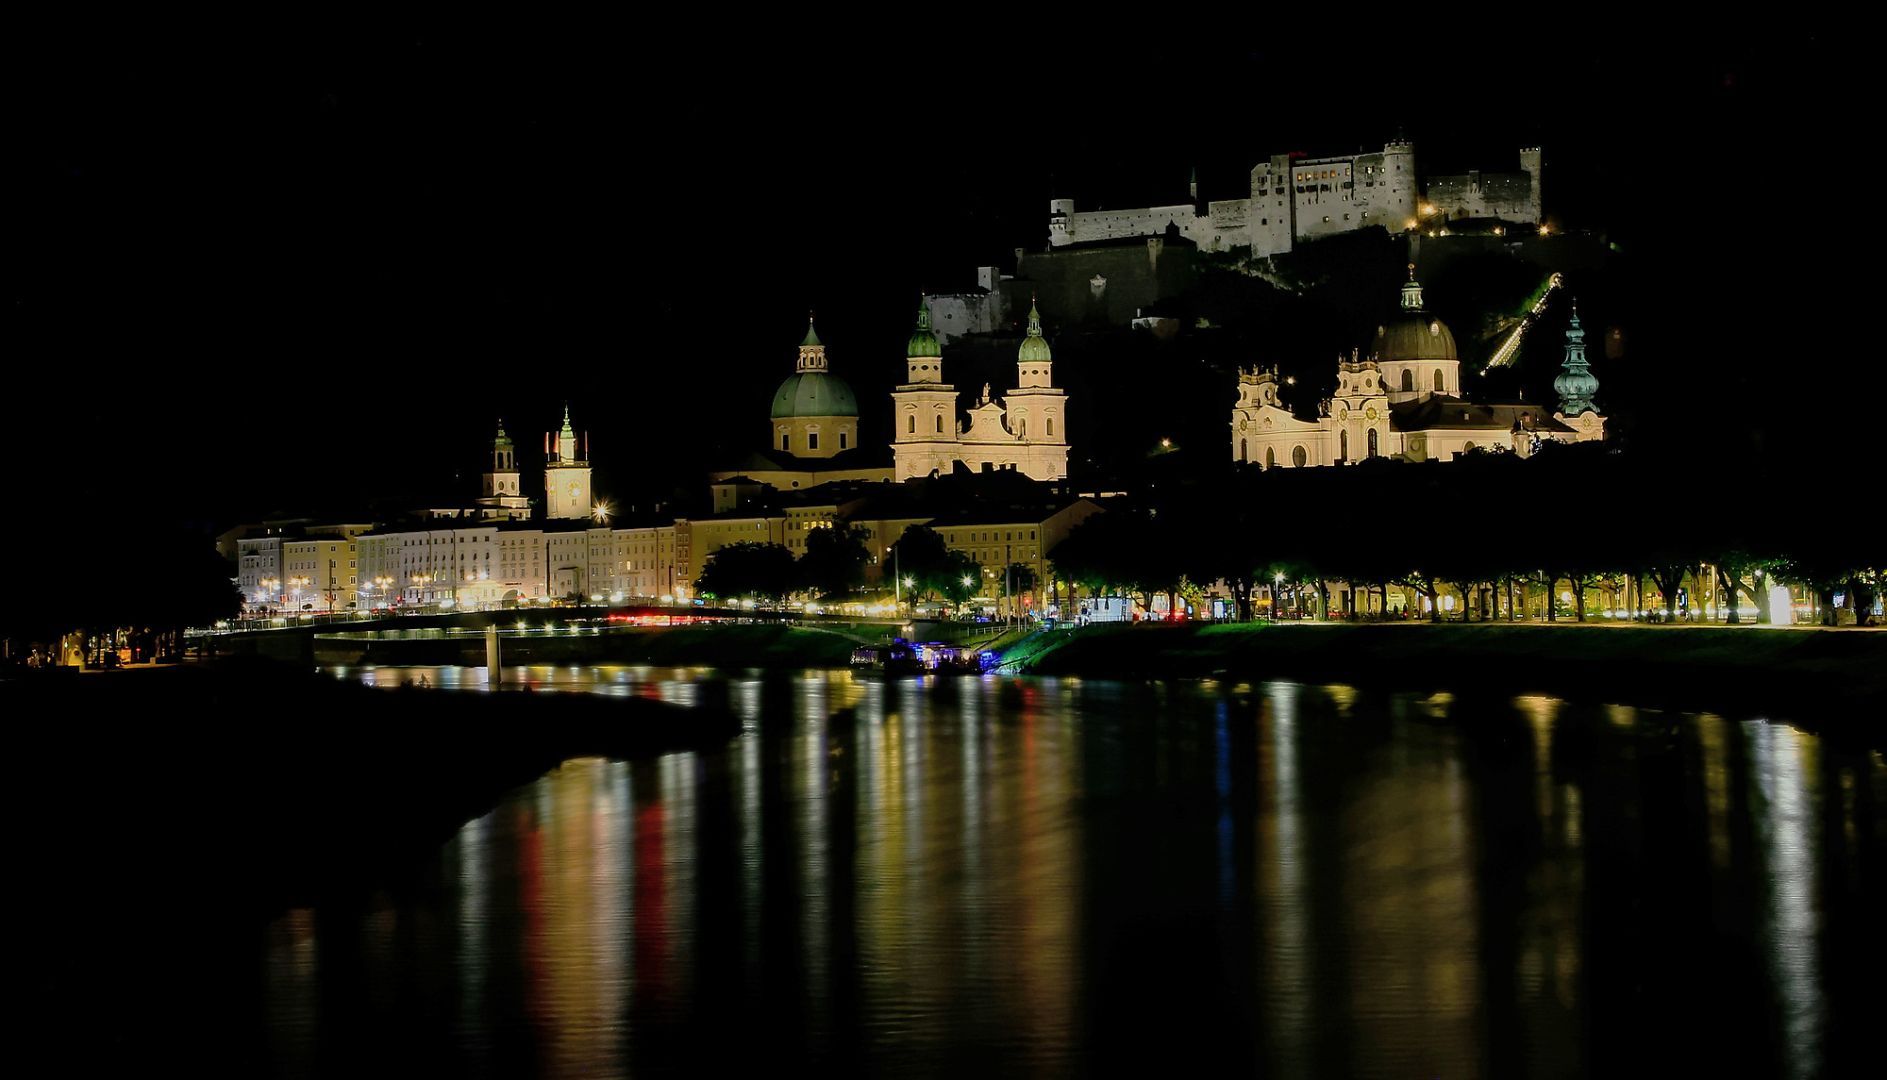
(748,569)
(834,562)
(932,568)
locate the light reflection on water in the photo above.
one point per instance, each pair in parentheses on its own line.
(1012,876)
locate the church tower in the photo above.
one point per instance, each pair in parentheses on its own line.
(499,496)
(1577,386)
(924,407)
(1037,410)
(502,478)
(566,475)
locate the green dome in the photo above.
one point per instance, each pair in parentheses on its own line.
(1034,348)
(1414,336)
(923,342)
(813,393)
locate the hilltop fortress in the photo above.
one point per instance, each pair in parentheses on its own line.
(1297,198)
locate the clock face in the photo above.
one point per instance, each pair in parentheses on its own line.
(1371,413)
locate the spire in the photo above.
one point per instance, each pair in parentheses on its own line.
(1576,385)
(1411,292)
(567,440)
(501,440)
(812,337)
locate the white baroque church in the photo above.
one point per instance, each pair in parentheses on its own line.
(1025,430)
(1404,400)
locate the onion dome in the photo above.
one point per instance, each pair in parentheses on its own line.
(1576,385)
(503,441)
(923,341)
(1034,347)
(1414,334)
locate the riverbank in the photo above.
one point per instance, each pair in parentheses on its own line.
(321,778)
(721,645)
(1736,669)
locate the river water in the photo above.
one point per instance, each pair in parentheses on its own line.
(1069,877)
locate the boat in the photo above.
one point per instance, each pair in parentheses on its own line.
(896,658)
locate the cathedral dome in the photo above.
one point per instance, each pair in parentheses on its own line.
(1414,336)
(813,393)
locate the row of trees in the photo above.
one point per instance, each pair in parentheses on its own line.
(834,564)
(1575,520)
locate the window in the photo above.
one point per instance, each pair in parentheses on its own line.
(910,424)
(1343,446)
(1408,379)
(1298,457)
(812,441)
(1242,454)
(1438,382)
(1372,442)
(841,440)
(939,423)
(786,442)
(1051,427)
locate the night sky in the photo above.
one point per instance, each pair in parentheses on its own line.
(309,269)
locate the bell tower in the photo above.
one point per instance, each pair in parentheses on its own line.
(566,474)
(502,478)
(924,408)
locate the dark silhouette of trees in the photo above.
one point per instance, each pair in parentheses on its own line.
(834,562)
(749,570)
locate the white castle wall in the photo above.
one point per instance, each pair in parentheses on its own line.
(1303,199)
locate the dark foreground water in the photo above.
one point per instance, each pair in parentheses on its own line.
(1036,877)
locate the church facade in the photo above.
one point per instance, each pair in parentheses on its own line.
(1026,430)
(1404,400)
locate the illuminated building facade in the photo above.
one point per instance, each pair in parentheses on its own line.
(1296,198)
(1026,430)
(1404,400)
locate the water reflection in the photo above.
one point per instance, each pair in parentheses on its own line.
(1038,877)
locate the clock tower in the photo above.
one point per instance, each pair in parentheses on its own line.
(566,474)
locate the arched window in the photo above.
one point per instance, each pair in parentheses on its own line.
(1298,457)
(1468,446)
(1438,383)
(939,423)
(1408,379)
(1343,446)
(1372,442)
(1271,458)
(910,424)
(1051,427)
(786,442)
(1242,455)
